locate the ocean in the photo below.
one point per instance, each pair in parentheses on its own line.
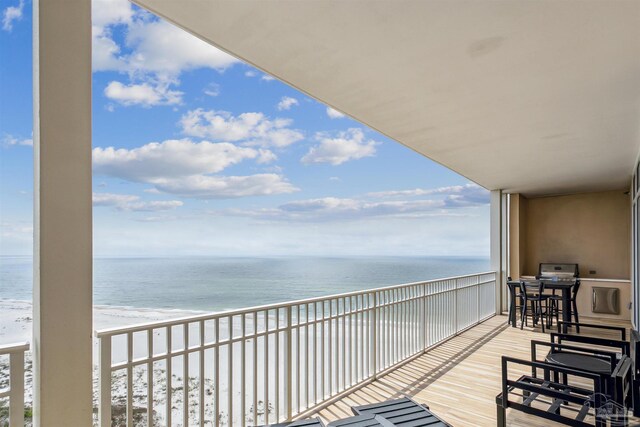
(215,284)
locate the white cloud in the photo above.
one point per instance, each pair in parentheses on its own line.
(334,114)
(126,202)
(155,47)
(10,140)
(166,50)
(169,159)
(212,89)
(154,52)
(11,14)
(347,209)
(225,187)
(252,129)
(348,145)
(267,78)
(454,201)
(250,73)
(111,12)
(456,195)
(185,168)
(286,102)
(142,94)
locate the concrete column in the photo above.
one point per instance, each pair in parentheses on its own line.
(498,244)
(62,293)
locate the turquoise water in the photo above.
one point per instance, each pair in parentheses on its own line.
(214,284)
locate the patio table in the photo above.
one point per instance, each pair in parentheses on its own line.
(563,286)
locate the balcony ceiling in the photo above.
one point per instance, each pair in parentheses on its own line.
(539,97)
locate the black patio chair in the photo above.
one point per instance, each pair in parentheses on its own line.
(555,302)
(544,398)
(615,370)
(534,295)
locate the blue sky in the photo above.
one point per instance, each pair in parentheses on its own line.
(197,153)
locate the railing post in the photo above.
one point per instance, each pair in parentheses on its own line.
(288,366)
(104,381)
(16,388)
(373,337)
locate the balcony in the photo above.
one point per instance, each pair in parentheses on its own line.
(532,98)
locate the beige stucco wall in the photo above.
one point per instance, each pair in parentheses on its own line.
(592,229)
(517,221)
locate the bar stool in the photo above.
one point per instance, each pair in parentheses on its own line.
(534,294)
(556,301)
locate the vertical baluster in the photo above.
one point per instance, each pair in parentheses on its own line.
(243,376)
(336,346)
(287,363)
(306,358)
(322,364)
(344,344)
(104,410)
(129,379)
(230,371)
(351,335)
(298,361)
(276,376)
(363,337)
(216,372)
(315,354)
(169,377)
(201,375)
(266,366)
(150,378)
(255,368)
(185,375)
(330,348)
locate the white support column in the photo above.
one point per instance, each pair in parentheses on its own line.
(62,294)
(496,241)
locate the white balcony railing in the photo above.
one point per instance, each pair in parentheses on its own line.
(266,364)
(13,387)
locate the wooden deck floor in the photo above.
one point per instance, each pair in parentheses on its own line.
(459,380)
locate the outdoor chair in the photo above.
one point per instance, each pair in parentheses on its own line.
(555,302)
(534,296)
(402,412)
(617,339)
(565,404)
(615,370)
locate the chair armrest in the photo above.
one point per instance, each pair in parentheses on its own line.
(506,360)
(623,346)
(622,330)
(612,356)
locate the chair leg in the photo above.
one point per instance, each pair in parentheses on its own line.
(501,416)
(575,314)
(523,314)
(542,313)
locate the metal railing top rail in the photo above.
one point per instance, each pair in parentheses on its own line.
(267,307)
(14,347)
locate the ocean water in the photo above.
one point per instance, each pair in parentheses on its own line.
(214,284)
